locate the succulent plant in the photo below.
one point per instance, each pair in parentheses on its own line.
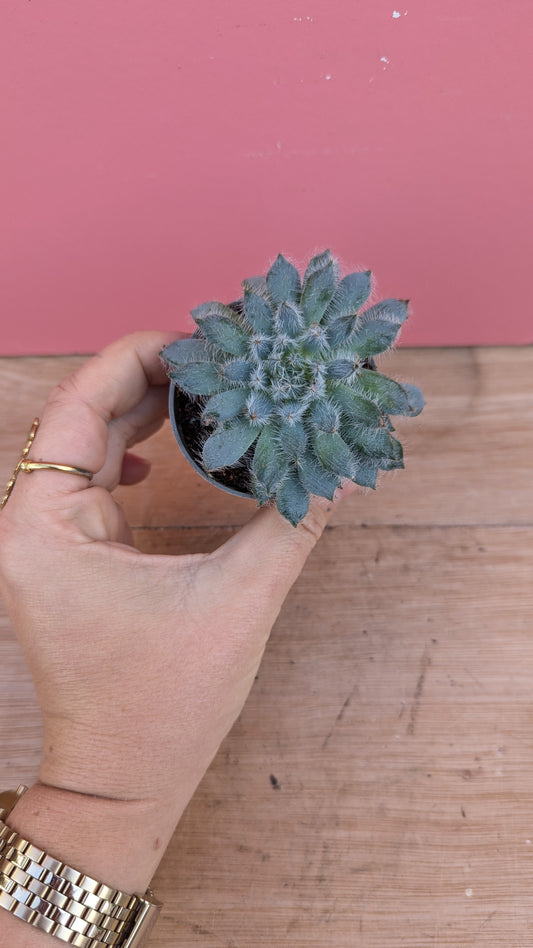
(286,378)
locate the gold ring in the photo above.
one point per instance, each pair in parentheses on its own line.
(28,466)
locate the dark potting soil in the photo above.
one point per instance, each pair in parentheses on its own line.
(188,410)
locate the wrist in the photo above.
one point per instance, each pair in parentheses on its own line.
(118,842)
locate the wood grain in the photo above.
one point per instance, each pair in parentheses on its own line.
(376,791)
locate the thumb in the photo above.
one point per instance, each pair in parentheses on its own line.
(268,553)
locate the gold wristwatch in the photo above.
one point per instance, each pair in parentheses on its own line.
(64,902)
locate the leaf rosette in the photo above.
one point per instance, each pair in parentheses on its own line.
(286,377)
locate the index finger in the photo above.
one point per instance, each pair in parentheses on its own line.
(74,424)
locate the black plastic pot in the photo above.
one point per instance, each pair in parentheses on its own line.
(185,417)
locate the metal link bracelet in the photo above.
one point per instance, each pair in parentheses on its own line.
(64,902)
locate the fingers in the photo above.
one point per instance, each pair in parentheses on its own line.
(116,384)
(134,469)
(267,555)
(125,432)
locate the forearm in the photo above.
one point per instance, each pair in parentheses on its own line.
(118,843)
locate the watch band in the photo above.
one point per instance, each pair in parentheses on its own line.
(63,901)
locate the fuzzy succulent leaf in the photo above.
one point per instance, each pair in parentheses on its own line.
(314,341)
(238,371)
(392,310)
(269,464)
(324,416)
(292,499)
(320,283)
(259,407)
(375,330)
(372,338)
(351,293)
(182,351)
(393,398)
(225,405)
(292,438)
(227,445)
(415,398)
(198,378)
(366,472)
(340,368)
(360,409)
(260,347)
(288,321)
(213,308)
(256,285)
(339,331)
(258,313)
(333,453)
(319,262)
(315,478)
(225,334)
(283,282)
(374,442)
(261,495)
(290,412)
(390,464)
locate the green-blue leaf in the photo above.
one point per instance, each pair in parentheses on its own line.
(319,262)
(256,285)
(339,331)
(393,398)
(415,398)
(324,416)
(288,320)
(320,283)
(290,412)
(269,464)
(198,378)
(366,472)
(227,445)
(315,478)
(259,407)
(351,293)
(260,347)
(225,334)
(333,453)
(292,438)
(372,338)
(258,313)
(212,308)
(183,351)
(374,442)
(283,282)
(355,407)
(392,310)
(340,368)
(313,342)
(376,329)
(225,405)
(292,499)
(238,371)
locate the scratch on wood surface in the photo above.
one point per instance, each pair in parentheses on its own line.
(340,715)
(425,663)
(487,920)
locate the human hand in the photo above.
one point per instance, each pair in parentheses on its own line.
(141,662)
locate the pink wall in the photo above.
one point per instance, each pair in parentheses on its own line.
(154,153)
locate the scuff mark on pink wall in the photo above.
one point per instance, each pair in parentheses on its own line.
(154,154)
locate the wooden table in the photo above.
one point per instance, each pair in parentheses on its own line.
(377,791)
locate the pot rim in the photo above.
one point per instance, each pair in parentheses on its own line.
(188,456)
